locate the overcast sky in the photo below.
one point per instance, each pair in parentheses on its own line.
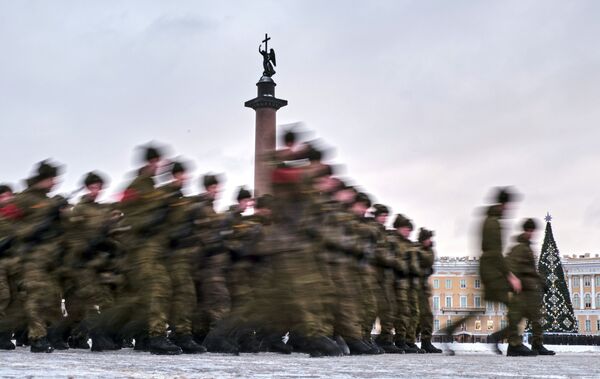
(428,104)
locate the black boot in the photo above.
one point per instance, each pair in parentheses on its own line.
(101,342)
(162,346)
(541,350)
(429,348)
(387,345)
(5,342)
(216,342)
(56,339)
(127,343)
(413,346)
(358,347)
(41,345)
(141,343)
(21,338)
(323,347)
(520,351)
(188,345)
(79,342)
(407,349)
(341,342)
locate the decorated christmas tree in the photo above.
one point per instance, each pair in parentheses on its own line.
(557,310)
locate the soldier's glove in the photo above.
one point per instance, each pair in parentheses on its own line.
(428,272)
(399,274)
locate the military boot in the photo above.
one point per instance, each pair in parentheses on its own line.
(541,350)
(323,347)
(520,351)
(216,342)
(429,348)
(21,338)
(274,343)
(56,339)
(161,345)
(401,343)
(5,342)
(41,345)
(141,342)
(358,347)
(188,345)
(79,342)
(101,342)
(127,343)
(414,346)
(339,340)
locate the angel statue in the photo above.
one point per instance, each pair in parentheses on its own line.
(268,60)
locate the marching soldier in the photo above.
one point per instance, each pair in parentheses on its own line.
(426,259)
(527,303)
(7,264)
(37,230)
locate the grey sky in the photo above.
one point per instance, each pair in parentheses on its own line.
(428,103)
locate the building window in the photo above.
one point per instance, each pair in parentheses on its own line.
(588,325)
(477,283)
(587,281)
(448,284)
(490,325)
(597,280)
(503,324)
(598,301)
(576,303)
(436,303)
(463,326)
(489,306)
(463,301)
(477,324)
(448,323)
(448,301)
(436,283)
(587,301)
(463,283)
(575,282)
(436,325)
(598,325)
(501,307)
(477,301)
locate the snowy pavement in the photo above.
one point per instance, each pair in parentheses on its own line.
(471,361)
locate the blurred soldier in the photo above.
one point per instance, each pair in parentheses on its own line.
(214,300)
(146,209)
(7,261)
(37,229)
(406,301)
(527,304)
(385,281)
(366,239)
(497,279)
(89,250)
(426,259)
(182,250)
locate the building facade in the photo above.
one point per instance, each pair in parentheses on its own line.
(457,290)
(582,273)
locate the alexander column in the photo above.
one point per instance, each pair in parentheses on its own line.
(266,105)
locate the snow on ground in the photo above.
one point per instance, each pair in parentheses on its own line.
(471,361)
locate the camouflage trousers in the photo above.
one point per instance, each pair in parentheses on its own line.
(183,300)
(425,314)
(414,316)
(369,298)
(214,301)
(42,291)
(402,312)
(385,305)
(527,305)
(346,314)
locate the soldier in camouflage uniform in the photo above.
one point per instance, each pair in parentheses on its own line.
(7,263)
(426,259)
(37,230)
(89,250)
(497,279)
(406,270)
(146,209)
(385,281)
(181,253)
(214,301)
(526,304)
